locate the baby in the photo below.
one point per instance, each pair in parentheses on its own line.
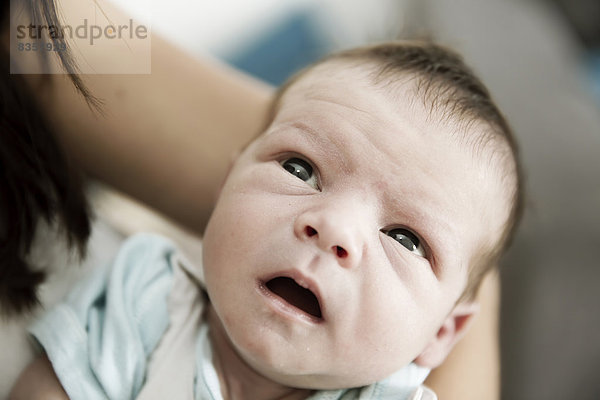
(341,260)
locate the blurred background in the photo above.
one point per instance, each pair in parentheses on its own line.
(541,60)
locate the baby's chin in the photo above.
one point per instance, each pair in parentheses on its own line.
(290,377)
(321,381)
(308,372)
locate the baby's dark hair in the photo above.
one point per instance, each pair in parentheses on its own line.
(451,92)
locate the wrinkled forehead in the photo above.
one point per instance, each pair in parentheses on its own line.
(329,77)
(361,85)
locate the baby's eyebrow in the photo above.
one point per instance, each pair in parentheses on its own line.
(438,232)
(330,145)
(312,134)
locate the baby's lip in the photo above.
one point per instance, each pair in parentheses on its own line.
(303,281)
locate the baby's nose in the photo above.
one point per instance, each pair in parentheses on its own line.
(331,235)
(337,249)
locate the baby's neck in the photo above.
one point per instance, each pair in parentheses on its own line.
(238,380)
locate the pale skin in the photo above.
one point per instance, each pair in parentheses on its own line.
(379,217)
(194,123)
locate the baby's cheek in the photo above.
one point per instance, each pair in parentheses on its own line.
(394,328)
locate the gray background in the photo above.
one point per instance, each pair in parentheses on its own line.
(551,277)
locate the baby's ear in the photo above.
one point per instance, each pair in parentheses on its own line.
(452,330)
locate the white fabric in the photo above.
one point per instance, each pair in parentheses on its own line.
(172,365)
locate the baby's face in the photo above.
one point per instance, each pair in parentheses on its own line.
(343,235)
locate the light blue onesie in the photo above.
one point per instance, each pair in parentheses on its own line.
(100,338)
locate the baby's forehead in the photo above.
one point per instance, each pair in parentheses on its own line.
(355,83)
(375,105)
(442,113)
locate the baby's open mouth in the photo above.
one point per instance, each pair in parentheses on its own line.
(299,297)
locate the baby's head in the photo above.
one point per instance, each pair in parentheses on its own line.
(350,238)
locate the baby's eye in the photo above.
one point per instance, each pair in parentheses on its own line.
(301,169)
(407,239)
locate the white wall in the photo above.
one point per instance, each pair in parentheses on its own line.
(219,27)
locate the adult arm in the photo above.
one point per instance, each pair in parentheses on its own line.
(472,370)
(166,138)
(38,381)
